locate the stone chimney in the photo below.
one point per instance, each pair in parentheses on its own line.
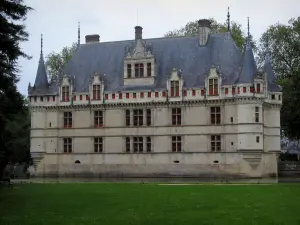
(138,32)
(204,30)
(92,38)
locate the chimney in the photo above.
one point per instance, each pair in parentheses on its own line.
(204,30)
(138,32)
(92,38)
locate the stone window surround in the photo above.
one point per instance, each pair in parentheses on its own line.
(176,143)
(98,144)
(215,143)
(68,146)
(138,144)
(143,117)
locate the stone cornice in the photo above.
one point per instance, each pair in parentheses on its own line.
(159,104)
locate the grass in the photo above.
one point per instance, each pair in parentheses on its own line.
(109,203)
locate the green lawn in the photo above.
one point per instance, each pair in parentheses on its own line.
(108,203)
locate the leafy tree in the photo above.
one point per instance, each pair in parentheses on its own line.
(191,29)
(283,43)
(12,32)
(56,62)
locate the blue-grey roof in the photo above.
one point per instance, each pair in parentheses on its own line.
(272,85)
(182,53)
(41,79)
(249,69)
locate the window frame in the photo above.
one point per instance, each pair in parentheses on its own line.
(176,116)
(139,70)
(65,93)
(149,69)
(127,144)
(148,144)
(176,143)
(215,115)
(174,86)
(67,145)
(127,118)
(138,117)
(215,143)
(138,144)
(129,70)
(213,86)
(98,144)
(148,117)
(256,114)
(96,88)
(98,118)
(68,119)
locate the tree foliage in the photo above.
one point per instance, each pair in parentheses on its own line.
(283,43)
(12,32)
(56,62)
(191,29)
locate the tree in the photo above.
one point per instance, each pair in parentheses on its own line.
(12,32)
(56,62)
(191,29)
(283,43)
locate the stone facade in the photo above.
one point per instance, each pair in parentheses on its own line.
(218,129)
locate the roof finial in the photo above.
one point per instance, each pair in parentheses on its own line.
(78,43)
(137,16)
(228,21)
(248,29)
(267,42)
(41,44)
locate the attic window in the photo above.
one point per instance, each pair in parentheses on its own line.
(258,88)
(129,70)
(96,92)
(65,93)
(213,86)
(273,97)
(148,69)
(175,88)
(139,69)
(41,99)
(279,97)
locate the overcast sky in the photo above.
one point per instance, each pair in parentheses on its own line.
(115,20)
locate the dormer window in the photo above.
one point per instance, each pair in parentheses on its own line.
(258,88)
(148,69)
(213,86)
(129,70)
(175,88)
(65,93)
(139,69)
(96,92)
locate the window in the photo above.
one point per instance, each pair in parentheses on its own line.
(273,97)
(53,98)
(176,144)
(231,119)
(148,69)
(67,119)
(149,94)
(34,98)
(148,144)
(193,92)
(257,139)
(258,88)
(251,89)
(98,144)
(233,90)
(138,117)
(98,118)
(96,92)
(226,91)
(134,95)
(80,97)
(67,145)
(176,116)
(256,114)
(148,117)
(156,94)
(215,115)
(213,86)
(139,69)
(174,88)
(244,89)
(202,92)
(142,95)
(65,93)
(120,96)
(41,99)
(215,143)
(127,117)
(138,144)
(127,95)
(129,70)
(113,96)
(184,93)
(87,97)
(279,97)
(127,144)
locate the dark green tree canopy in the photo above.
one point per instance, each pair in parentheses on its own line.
(191,29)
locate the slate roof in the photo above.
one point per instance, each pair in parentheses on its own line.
(249,69)
(272,86)
(182,53)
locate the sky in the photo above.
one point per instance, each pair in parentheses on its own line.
(115,20)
